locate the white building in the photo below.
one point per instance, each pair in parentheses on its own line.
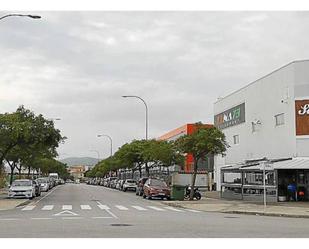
(267,118)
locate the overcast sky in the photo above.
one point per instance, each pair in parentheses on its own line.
(77,65)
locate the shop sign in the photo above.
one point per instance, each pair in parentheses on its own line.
(231,117)
(302,117)
(304,110)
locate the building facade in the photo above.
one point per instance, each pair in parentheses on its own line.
(77,171)
(268,118)
(188,129)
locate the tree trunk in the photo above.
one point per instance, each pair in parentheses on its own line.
(193,179)
(140,171)
(147,169)
(29,168)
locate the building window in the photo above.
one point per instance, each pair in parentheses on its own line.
(279,119)
(236,139)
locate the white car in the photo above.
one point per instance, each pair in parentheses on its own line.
(22,188)
(129,184)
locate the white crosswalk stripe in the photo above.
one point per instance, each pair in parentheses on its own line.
(139,208)
(121,207)
(156,208)
(85,207)
(28,208)
(48,207)
(174,209)
(66,207)
(103,207)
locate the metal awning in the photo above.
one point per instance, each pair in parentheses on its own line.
(295,163)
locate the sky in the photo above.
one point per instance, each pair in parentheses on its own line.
(76,66)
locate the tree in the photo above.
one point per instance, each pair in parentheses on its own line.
(202,143)
(162,154)
(24,137)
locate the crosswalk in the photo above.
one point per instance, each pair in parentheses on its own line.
(117,207)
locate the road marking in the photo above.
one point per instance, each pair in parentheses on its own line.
(121,207)
(107,210)
(28,208)
(65,212)
(174,209)
(10,219)
(193,211)
(48,207)
(103,217)
(139,208)
(156,208)
(41,218)
(67,207)
(72,218)
(85,207)
(103,207)
(46,195)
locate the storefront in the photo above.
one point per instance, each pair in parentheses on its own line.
(246,181)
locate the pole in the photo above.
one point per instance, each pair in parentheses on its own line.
(146,109)
(264,183)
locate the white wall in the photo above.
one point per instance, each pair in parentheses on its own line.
(263,100)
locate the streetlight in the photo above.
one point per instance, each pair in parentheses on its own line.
(30,16)
(97,153)
(133,96)
(110,139)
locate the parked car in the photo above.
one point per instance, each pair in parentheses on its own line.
(114,183)
(22,188)
(105,182)
(129,184)
(109,181)
(51,182)
(119,184)
(156,188)
(37,188)
(44,184)
(140,185)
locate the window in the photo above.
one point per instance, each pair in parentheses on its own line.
(279,119)
(236,139)
(254,127)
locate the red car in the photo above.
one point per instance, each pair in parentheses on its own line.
(156,188)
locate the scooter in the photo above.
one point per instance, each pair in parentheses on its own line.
(197,195)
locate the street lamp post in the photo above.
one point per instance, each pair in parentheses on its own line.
(110,139)
(133,96)
(20,15)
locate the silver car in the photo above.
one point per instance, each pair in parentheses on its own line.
(22,188)
(44,183)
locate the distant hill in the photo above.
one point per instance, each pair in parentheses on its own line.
(88,161)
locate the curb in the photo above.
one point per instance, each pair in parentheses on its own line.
(244,212)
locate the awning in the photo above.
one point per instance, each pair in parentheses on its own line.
(295,163)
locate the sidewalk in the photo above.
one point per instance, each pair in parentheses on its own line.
(207,204)
(6,204)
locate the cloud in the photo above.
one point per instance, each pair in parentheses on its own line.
(77,65)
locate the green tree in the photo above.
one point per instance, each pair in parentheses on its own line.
(25,137)
(162,154)
(202,143)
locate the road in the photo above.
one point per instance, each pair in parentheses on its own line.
(85,211)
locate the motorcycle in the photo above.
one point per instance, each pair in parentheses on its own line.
(197,195)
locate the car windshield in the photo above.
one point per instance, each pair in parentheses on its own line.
(155,182)
(21,183)
(42,180)
(130,181)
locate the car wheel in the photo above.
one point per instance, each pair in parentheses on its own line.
(144,196)
(124,190)
(149,197)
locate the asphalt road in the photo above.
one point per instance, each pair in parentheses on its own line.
(84,211)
